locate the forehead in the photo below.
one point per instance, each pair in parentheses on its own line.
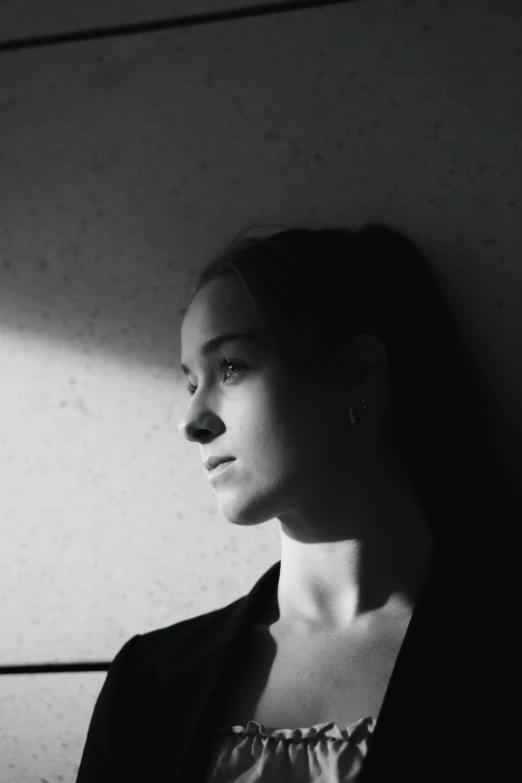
(222,305)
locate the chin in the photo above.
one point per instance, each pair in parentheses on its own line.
(244,513)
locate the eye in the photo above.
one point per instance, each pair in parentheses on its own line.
(222,364)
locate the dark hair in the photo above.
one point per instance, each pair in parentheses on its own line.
(316,289)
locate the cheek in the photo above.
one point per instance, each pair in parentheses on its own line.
(270,432)
(284,437)
(280,425)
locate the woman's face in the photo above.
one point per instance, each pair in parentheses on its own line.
(289,436)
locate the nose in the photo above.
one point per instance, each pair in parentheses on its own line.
(200,428)
(188,430)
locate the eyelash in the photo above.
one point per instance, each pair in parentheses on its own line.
(220,365)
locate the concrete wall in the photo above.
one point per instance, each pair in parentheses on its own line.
(125,163)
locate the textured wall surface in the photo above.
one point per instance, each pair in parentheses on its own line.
(124,164)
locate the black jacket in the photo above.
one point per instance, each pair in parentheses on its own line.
(442,718)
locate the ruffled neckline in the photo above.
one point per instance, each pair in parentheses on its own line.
(326,729)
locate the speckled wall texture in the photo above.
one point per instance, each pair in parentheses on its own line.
(124,164)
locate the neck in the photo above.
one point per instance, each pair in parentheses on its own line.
(362,558)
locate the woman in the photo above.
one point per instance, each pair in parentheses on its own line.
(345,410)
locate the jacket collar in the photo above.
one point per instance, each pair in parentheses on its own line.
(210,634)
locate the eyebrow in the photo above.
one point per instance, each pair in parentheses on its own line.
(213,344)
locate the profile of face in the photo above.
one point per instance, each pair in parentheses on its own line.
(290,437)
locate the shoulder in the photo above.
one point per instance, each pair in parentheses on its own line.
(154,640)
(146,654)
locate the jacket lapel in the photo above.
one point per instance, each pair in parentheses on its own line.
(162,736)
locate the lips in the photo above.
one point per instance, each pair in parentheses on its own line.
(213,462)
